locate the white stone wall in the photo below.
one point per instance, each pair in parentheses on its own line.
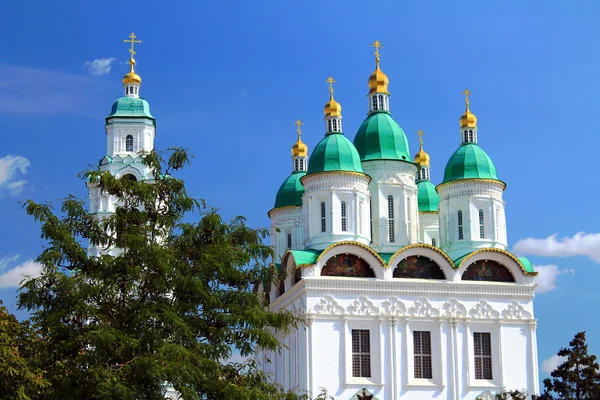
(429,228)
(288,220)
(396,179)
(333,189)
(142,130)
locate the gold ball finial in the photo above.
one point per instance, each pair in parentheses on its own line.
(332,107)
(131,77)
(299,149)
(421,157)
(468,119)
(378,81)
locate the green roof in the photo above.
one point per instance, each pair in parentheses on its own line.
(469,162)
(305,257)
(130,107)
(334,153)
(381,138)
(526,264)
(291,190)
(427,196)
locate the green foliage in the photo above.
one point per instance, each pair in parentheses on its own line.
(166,300)
(512,395)
(578,377)
(19,378)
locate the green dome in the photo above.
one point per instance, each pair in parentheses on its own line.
(334,153)
(427,196)
(290,192)
(130,107)
(381,138)
(469,162)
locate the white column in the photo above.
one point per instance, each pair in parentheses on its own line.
(309,357)
(393,361)
(500,354)
(534,385)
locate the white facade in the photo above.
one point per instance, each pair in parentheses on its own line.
(429,228)
(286,229)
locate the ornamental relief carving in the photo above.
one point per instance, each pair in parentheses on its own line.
(461,189)
(392,176)
(392,307)
(327,305)
(362,306)
(333,184)
(298,308)
(453,309)
(482,310)
(515,311)
(422,308)
(338,181)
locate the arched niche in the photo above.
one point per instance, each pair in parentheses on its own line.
(348,265)
(297,276)
(425,251)
(487,271)
(129,177)
(418,267)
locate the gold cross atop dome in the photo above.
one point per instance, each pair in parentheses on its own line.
(331,81)
(377,45)
(468,119)
(466,92)
(420,135)
(132,41)
(421,157)
(132,77)
(298,124)
(299,149)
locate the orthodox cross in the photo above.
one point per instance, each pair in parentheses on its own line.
(467,93)
(420,135)
(132,41)
(331,81)
(377,45)
(298,123)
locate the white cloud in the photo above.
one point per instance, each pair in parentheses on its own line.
(14,276)
(551,363)
(100,66)
(546,279)
(581,244)
(10,167)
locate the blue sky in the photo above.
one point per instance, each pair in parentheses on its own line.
(228,79)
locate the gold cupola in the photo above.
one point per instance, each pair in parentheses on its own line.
(422,158)
(299,149)
(332,107)
(131,78)
(378,81)
(468,119)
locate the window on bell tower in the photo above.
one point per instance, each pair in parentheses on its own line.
(129,143)
(460,226)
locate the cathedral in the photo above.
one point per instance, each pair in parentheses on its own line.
(407,288)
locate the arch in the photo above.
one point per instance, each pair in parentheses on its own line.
(129,177)
(487,270)
(347,264)
(501,256)
(435,254)
(129,143)
(418,267)
(358,249)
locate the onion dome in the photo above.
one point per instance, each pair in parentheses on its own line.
(299,149)
(332,107)
(381,138)
(131,77)
(378,81)
(469,161)
(427,197)
(468,119)
(290,192)
(334,153)
(421,157)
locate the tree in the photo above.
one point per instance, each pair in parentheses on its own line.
(578,377)
(167,303)
(19,379)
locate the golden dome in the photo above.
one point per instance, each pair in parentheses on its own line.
(131,77)
(332,108)
(299,149)
(422,158)
(378,82)
(468,119)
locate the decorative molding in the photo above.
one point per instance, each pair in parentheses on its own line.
(471,188)
(453,309)
(422,308)
(515,311)
(335,179)
(392,307)
(482,310)
(362,306)
(327,305)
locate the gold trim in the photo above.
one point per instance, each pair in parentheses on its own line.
(506,253)
(357,244)
(423,246)
(429,212)
(280,208)
(483,180)
(336,172)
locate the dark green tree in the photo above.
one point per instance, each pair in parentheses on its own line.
(578,377)
(19,378)
(166,302)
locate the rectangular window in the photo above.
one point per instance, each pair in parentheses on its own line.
(433,242)
(481,226)
(323,221)
(344,221)
(289,240)
(361,353)
(371,220)
(360,218)
(391,233)
(422,353)
(460,226)
(482,346)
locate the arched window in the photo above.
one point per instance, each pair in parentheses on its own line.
(323,216)
(391,235)
(418,267)
(371,220)
(296,164)
(344,221)
(297,275)
(466,136)
(487,270)
(129,143)
(408,217)
(330,125)
(375,103)
(481,225)
(289,240)
(347,265)
(130,177)
(281,287)
(460,226)
(380,102)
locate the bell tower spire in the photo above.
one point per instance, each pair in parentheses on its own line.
(378,85)
(132,81)
(299,151)
(333,112)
